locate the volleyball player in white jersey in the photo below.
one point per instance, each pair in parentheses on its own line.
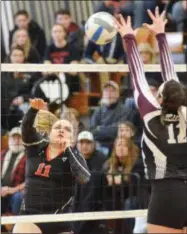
(164,143)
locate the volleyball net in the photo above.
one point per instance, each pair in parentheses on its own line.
(83,216)
(81,68)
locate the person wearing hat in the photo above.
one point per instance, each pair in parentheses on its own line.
(12,173)
(86,146)
(105,119)
(88,197)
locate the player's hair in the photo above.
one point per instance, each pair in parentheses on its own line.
(128,161)
(44,121)
(27,45)
(62,12)
(173,96)
(21,12)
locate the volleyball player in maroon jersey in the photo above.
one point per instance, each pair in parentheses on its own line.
(51,167)
(164,141)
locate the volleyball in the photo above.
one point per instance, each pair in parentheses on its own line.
(101,28)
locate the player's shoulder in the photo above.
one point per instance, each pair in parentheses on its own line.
(153,116)
(36,148)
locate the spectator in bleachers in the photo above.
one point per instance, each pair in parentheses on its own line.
(122,161)
(15,90)
(61,52)
(36,33)
(137,9)
(179,14)
(86,145)
(21,38)
(105,119)
(73,116)
(109,53)
(75,35)
(121,182)
(12,173)
(89,196)
(147,53)
(128,130)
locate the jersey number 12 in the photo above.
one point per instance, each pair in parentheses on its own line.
(172,139)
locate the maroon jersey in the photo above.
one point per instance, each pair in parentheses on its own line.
(163,150)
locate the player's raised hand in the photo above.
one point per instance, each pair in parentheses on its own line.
(38,103)
(124,26)
(159,21)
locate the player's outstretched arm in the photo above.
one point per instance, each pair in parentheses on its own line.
(142,94)
(158,29)
(29,134)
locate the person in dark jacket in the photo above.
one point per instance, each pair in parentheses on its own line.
(88,197)
(22,21)
(53,167)
(15,89)
(86,145)
(105,119)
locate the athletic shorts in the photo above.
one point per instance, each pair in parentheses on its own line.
(52,228)
(168,203)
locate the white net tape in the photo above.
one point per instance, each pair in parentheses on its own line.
(73,217)
(78,68)
(81,68)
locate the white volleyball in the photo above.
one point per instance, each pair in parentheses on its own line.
(101,28)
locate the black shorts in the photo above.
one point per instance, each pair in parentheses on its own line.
(168,203)
(52,228)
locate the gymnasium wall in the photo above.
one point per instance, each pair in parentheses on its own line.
(43,13)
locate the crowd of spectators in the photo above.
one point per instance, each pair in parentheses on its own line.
(110,143)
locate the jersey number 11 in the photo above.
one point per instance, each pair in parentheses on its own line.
(43,170)
(172,139)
